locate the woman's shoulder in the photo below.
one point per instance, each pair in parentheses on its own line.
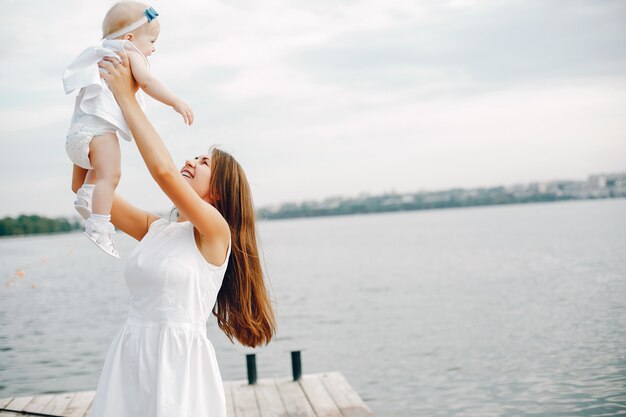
(214,248)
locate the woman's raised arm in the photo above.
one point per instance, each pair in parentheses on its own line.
(129,219)
(204,216)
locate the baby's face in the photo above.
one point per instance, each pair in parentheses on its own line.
(146,36)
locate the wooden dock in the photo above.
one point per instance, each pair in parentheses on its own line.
(313,395)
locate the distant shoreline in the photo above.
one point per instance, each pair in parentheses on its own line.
(596,187)
(338,214)
(603,186)
(261,218)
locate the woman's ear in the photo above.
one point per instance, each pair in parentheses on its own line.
(128,37)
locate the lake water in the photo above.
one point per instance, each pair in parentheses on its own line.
(491,311)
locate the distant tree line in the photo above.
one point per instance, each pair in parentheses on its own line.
(596,186)
(380,204)
(26,225)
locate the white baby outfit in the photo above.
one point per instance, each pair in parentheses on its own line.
(161,363)
(95,111)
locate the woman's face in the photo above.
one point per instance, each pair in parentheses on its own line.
(197,173)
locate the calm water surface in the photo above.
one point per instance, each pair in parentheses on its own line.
(493,311)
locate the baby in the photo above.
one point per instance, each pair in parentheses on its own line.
(92,141)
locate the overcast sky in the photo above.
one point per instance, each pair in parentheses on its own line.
(320,98)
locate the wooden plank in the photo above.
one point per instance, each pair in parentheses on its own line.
(295,401)
(79,404)
(321,401)
(19,403)
(38,403)
(6,413)
(88,410)
(59,403)
(244,400)
(268,398)
(228,393)
(315,395)
(5,401)
(90,405)
(348,401)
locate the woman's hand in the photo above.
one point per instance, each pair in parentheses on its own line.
(119,77)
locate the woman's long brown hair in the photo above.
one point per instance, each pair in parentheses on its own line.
(243,308)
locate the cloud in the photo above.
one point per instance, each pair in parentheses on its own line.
(322,98)
(495,46)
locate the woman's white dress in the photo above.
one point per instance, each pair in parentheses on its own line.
(161,363)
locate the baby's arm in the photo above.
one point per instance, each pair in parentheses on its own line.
(156,89)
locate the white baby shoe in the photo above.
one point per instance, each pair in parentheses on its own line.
(82,204)
(100,234)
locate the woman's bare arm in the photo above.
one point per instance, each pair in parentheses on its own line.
(129,219)
(78,177)
(204,216)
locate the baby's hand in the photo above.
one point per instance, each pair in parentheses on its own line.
(185,110)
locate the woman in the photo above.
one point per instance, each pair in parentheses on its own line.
(161,364)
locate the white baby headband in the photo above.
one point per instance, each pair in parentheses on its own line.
(148,16)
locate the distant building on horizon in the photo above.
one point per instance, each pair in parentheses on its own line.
(596,186)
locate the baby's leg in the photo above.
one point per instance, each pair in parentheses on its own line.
(104,155)
(91,177)
(83,191)
(78,177)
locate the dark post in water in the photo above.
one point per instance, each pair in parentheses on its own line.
(296,365)
(251,365)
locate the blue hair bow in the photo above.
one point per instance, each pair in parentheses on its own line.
(151,14)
